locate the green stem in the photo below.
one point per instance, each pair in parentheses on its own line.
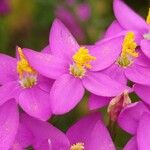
(112,129)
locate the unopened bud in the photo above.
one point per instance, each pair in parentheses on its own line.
(117,104)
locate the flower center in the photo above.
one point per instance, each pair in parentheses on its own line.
(128,51)
(77,146)
(27,75)
(82,60)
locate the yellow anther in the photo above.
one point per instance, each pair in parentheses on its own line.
(23,65)
(128,50)
(83,58)
(148,17)
(77,146)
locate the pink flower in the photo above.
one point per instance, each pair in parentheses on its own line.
(129,20)
(135,119)
(75,69)
(44,136)
(22,82)
(127,62)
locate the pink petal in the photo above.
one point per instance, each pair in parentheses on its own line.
(129,117)
(145,46)
(142,60)
(36,103)
(46,50)
(62,43)
(116,73)
(113,29)
(24,137)
(143,92)
(8,68)
(66,93)
(127,18)
(9,119)
(96,102)
(106,53)
(8,91)
(143,132)
(102,85)
(46,64)
(44,83)
(44,131)
(138,74)
(94,134)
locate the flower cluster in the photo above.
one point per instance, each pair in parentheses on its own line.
(38,85)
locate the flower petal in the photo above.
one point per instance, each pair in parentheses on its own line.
(8,91)
(143,132)
(113,29)
(142,60)
(8,71)
(143,92)
(44,83)
(46,50)
(96,102)
(94,134)
(102,85)
(127,18)
(9,119)
(138,74)
(62,43)
(46,64)
(43,131)
(24,137)
(132,144)
(106,53)
(66,93)
(116,73)
(145,46)
(129,117)
(36,103)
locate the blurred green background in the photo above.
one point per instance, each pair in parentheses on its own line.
(27,24)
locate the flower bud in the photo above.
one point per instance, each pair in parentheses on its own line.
(117,104)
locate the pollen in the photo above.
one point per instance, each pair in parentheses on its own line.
(128,50)
(148,17)
(77,146)
(81,62)
(23,65)
(83,58)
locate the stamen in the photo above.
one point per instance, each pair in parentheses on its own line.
(22,65)
(148,18)
(27,75)
(128,50)
(77,146)
(28,81)
(82,60)
(77,71)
